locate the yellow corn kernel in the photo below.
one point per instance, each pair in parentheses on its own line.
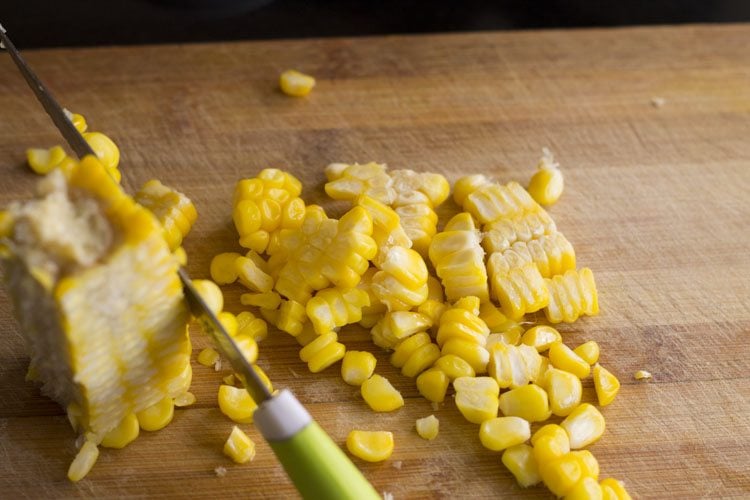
(357,367)
(564,390)
(571,295)
(236,404)
(557,434)
(584,425)
(266,300)
(308,334)
(459,323)
(321,341)
(513,366)
(263,377)
(239,447)
(467,185)
(519,289)
(223,271)
(257,241)
(335,171)
(585,489)
(157,416)
(380,395)
(42,161)
(246,216)
(248,347)
(292,214)
(250,326)
(370,446)
(491,202)
(428,427)
(541,337)
(180,256)
(520,461)
(563,357)
(407,347)
(454,366)
(229,380)
(499,433)
(616,488)
(334,307)
(122,435)
(432,385)
(421,359)
(474,354)
(588,351)
(184,399)
(327,356)
(397,326)
(642,374)
(606,385)
(106,150)
(211,294)
(561,474)
(589,463)
(476,398)
(547,183)
(296,84)
(208,357)
(173,209)
(291,318)
(547,449)
(83,462)
(6,224)
(252,276)
(347,182)
(529,402)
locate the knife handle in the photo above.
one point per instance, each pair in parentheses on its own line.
(315,464)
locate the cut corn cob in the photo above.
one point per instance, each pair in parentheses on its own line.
(83,241)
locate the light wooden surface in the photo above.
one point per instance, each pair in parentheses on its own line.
(656,203)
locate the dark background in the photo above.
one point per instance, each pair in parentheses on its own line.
(49,23)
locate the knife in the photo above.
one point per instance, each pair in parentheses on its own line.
(315,464)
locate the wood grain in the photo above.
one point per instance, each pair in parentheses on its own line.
(656,203)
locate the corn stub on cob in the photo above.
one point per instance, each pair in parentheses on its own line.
(571,295)
(174,210)
(82,241)
(458,259)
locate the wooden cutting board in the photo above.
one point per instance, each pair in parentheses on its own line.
(656,203)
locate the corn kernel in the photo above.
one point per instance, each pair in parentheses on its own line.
(564,390)
(454,367)
(296,84)
(585,489)
(563,357)
(520,461)
(229,322)
(476,398)
(42,161)
(547,449)
(428,427)
(474,354)
(547,183)
(584,426)
(106,150)
(421,359)
(529,402)
(380,395)
(327,356)
(499,433)
(606,384)
(252,276)
(562,474)
(541,337)
(615,487)
(267,300)
(292,317)
(157,416)
(223,271)
(239,447)
(557,434)
(370,446)
(211,294)
(311,349)
(246,217)
(357,367)
(184,399)
(407,347)
(250,326)
(236,404)
(588,351)
(208,357)
(83,462)
(432,385)
(122,435)
(589,463)
(642,374)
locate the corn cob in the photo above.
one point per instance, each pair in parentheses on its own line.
(81,242)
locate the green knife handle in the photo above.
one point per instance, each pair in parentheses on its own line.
(316,465)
